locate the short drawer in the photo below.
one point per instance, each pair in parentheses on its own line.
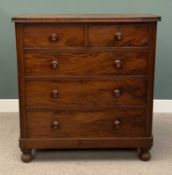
(78,63)
(52,36)
(86,124)
(121,35)
(89,93)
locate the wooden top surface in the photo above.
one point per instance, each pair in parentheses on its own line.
(86,18)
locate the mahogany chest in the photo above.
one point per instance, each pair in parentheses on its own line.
(85,81)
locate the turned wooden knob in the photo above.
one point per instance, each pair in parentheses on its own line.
(55,125)
(118,36)
(116,123)
(55,93)
(118,63)
(53,37)
(54,64)
(117,92)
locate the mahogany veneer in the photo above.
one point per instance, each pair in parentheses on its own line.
(86,81)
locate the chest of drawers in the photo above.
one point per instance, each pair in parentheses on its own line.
(85,81)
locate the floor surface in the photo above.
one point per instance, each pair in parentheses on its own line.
(110,162)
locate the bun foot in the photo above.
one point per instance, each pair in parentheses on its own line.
(144,154)
(26,156)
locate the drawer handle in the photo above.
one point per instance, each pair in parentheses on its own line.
(53,37)
(118,63)
(118,36)
(116,124)
(55,125)
(117,92)
(55,93)
(54,64)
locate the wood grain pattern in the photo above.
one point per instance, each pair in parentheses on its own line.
(21,84)
(86,124)
(85,63)
(40,35)
(82,143)
(132,35)
(151,68)
(86,81)
(85,93)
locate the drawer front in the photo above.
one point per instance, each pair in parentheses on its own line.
(85,63)
(86,124)
(52,36)
(124,35)
(70,93)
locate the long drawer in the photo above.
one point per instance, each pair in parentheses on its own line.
(85,63)
(86,124)
(78,93)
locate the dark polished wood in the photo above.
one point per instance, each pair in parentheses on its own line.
(88,143)
(26,155)
(128,35)
(41,35)
(144,153)
(49,18)
(83,63)
(47,94)
(86,81)
(86,124)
